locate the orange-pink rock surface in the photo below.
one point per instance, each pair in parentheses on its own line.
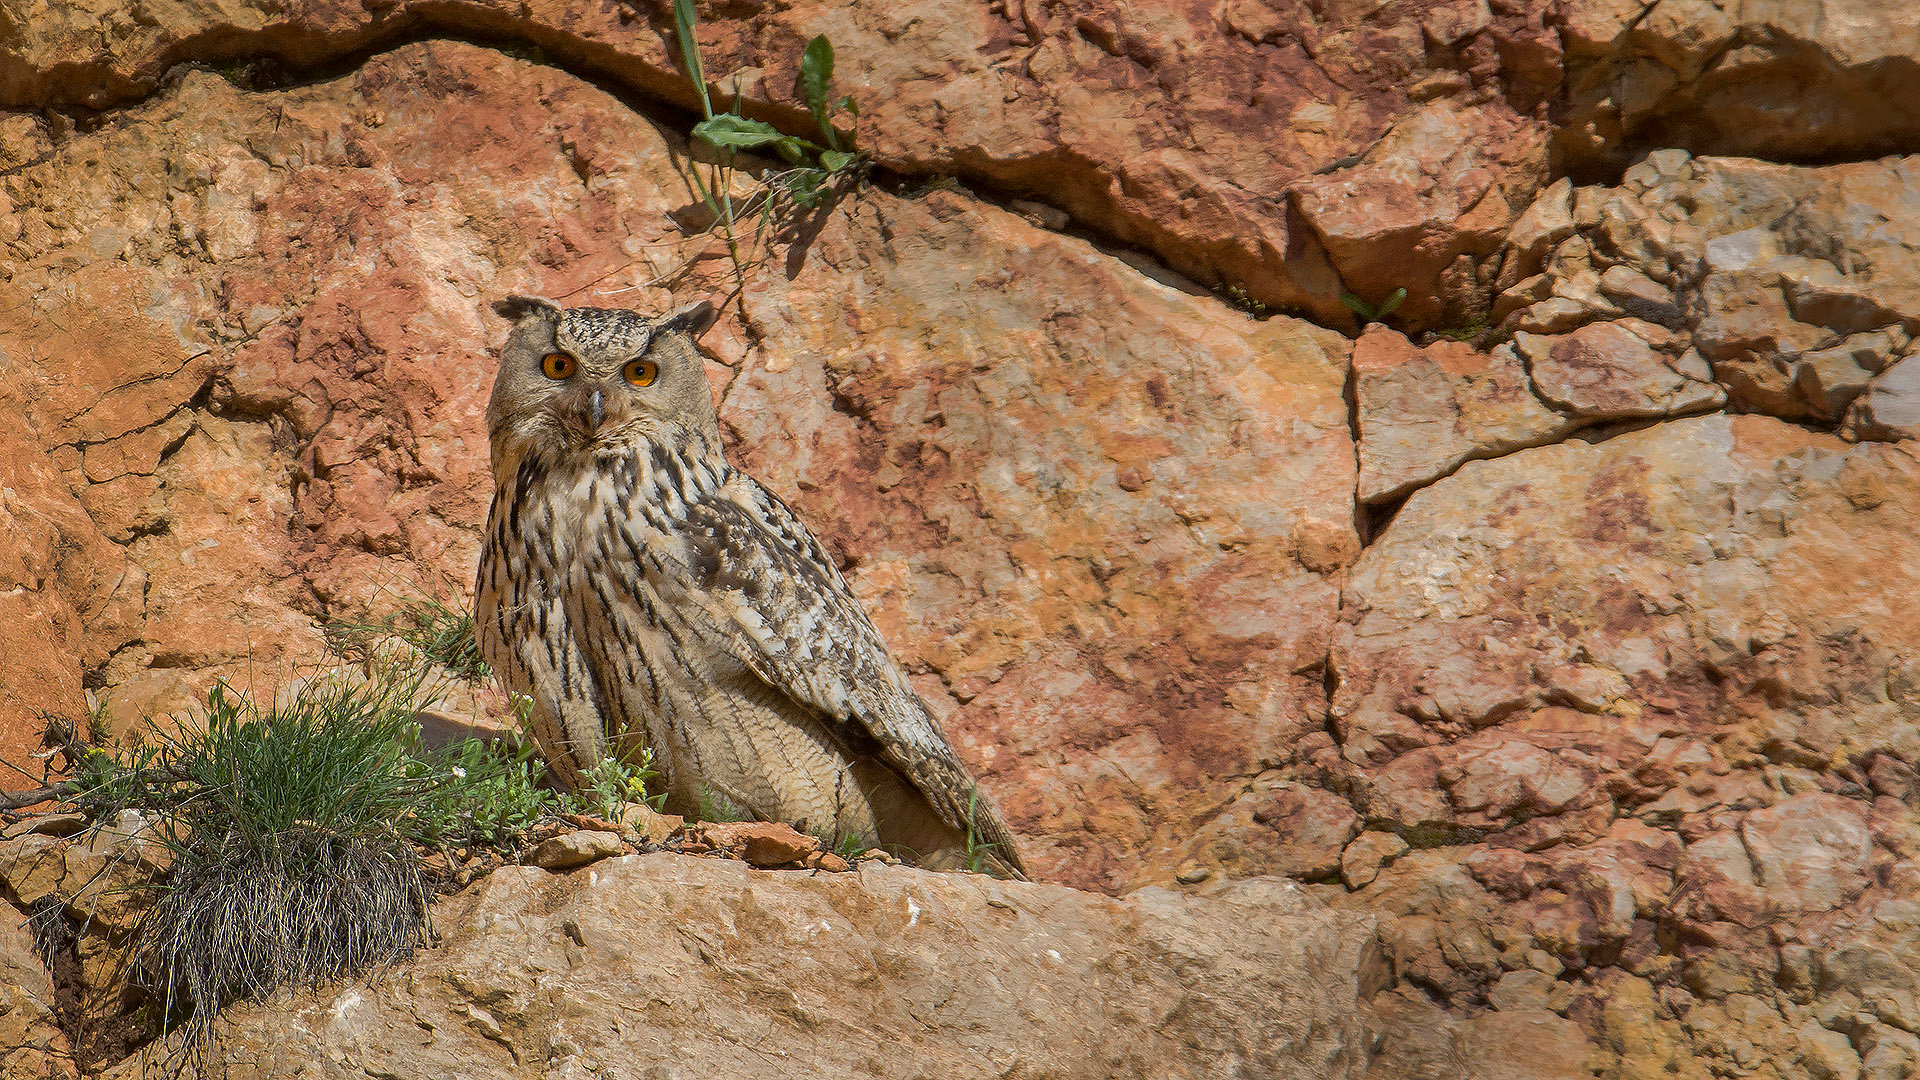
(1579,644)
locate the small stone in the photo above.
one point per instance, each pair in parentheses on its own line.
(1608,371)
(1193,873)
(650,824)
(1554,315)
(48,825)
(826,860)
(1827,1055)
(33,869)
(1360,863)
(1889,410)
(760,843)
(1544,962)
(879,855)
(574,849)
(1641,297)
(1521,990)
(1047,217)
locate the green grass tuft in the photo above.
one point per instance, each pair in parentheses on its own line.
(982,856)
(442,634)
(715,806)
(295,832)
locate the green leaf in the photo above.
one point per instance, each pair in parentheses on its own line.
(805,188)
(1392,301)
(816,79)
(835,160)
(683,19)
(816,74)
(731,131)
(1357,306)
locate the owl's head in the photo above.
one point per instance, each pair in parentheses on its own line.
(582,379)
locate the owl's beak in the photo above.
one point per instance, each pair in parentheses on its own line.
(584,411)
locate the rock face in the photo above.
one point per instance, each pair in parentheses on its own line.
(1777,277)
(664,965)
(1832,78)
(1155,126)
(1048,572)
(36,1048)
(1575,645)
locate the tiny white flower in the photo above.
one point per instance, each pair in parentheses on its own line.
(459,772)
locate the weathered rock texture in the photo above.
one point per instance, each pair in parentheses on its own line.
(1262,148)
(665,965)
(1581,652)
(1790,81)
(1795,285)
(1049,571)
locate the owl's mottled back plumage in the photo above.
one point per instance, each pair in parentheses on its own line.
(643,592)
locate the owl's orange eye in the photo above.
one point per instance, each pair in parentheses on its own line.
(558,365)
(641,372)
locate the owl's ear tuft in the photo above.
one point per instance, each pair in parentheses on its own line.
(518,307)
(692,320)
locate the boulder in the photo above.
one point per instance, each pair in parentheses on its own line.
(667,965)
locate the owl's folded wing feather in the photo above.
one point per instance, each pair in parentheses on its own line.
(753,581)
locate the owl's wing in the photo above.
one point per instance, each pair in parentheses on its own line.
(754,581)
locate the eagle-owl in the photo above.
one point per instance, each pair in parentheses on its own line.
(644,592)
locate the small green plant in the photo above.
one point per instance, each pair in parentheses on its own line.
(930,184)
(715,806)
(813,167)
(438,632)
(1467,331)
(980,855)
(484,792)
(1373,313)
(610,782)
(850,845)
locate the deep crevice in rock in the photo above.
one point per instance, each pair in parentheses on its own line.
(1376,516)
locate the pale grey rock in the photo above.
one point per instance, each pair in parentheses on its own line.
(1889,410)
(668,965)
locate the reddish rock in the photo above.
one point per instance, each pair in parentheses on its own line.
(1709,256)
(1291,153)
(1422,412)
(1835,79)
(760,843)
(1657,554)
(1278,827)
(1617,371)
(1810,852)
